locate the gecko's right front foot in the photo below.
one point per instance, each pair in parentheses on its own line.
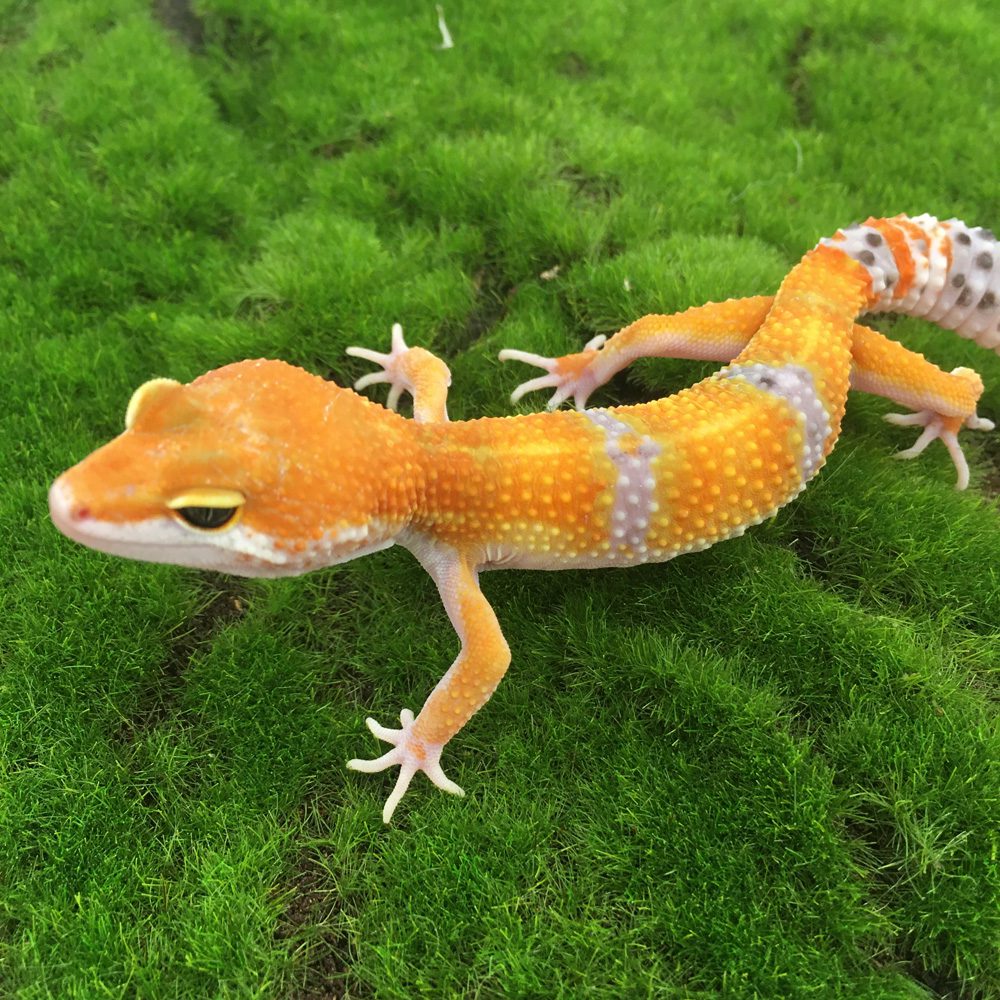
(570,375)
(393,367)
(408,369)
(412,754)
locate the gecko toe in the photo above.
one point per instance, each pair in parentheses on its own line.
(412,754)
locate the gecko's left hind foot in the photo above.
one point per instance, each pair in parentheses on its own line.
(411,754)
(938,425)
(570,375)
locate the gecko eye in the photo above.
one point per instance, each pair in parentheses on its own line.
(207,518)
(208,509)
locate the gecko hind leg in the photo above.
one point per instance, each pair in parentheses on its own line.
(570,375)
(717,331)
(944,402)
(937,426)
(936,421)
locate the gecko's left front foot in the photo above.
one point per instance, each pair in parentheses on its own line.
(412,754)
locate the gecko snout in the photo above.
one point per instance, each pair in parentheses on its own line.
(66,513)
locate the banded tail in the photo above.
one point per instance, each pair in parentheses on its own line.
(945,272)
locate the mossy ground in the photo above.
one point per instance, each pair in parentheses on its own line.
(765,770)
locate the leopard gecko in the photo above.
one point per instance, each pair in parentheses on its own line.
(259,468)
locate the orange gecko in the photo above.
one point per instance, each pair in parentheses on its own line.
(261,469)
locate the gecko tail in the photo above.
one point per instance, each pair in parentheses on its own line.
(945,272)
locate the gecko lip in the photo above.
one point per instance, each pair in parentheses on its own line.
(75,521)
(64,513)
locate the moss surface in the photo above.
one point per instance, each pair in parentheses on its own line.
(765,770)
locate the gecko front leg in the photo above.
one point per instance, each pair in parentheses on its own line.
(464,689)
(409,369)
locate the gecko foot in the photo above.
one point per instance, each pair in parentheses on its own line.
(570,375)
(393,370)
(945,428)
(412,755)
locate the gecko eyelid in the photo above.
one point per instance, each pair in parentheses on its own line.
(208,496)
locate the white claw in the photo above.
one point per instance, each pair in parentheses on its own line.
(906,419)
(378,731)
(538,360)
(559,397)
(407,769)
(398,344)
(926,436)
(542,382)
(411,755)
(950,441)
(436,773)
(376,764)
(373,378)
(376,357)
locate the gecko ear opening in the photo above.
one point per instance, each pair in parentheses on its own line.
(144,395)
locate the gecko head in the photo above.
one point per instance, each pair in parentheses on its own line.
(257,469)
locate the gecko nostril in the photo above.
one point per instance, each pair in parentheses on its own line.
(81,513)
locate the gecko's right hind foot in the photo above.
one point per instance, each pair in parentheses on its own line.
(945,428)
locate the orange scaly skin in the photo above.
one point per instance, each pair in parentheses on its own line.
(261,469)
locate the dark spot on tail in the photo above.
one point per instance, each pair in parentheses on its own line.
(965,298)
(873,239)
(984,260)
(958,280)
(866,257)
(988,301)
(964,238)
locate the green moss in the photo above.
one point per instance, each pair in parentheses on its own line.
(765,770)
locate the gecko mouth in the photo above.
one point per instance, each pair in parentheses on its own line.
(240,551)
